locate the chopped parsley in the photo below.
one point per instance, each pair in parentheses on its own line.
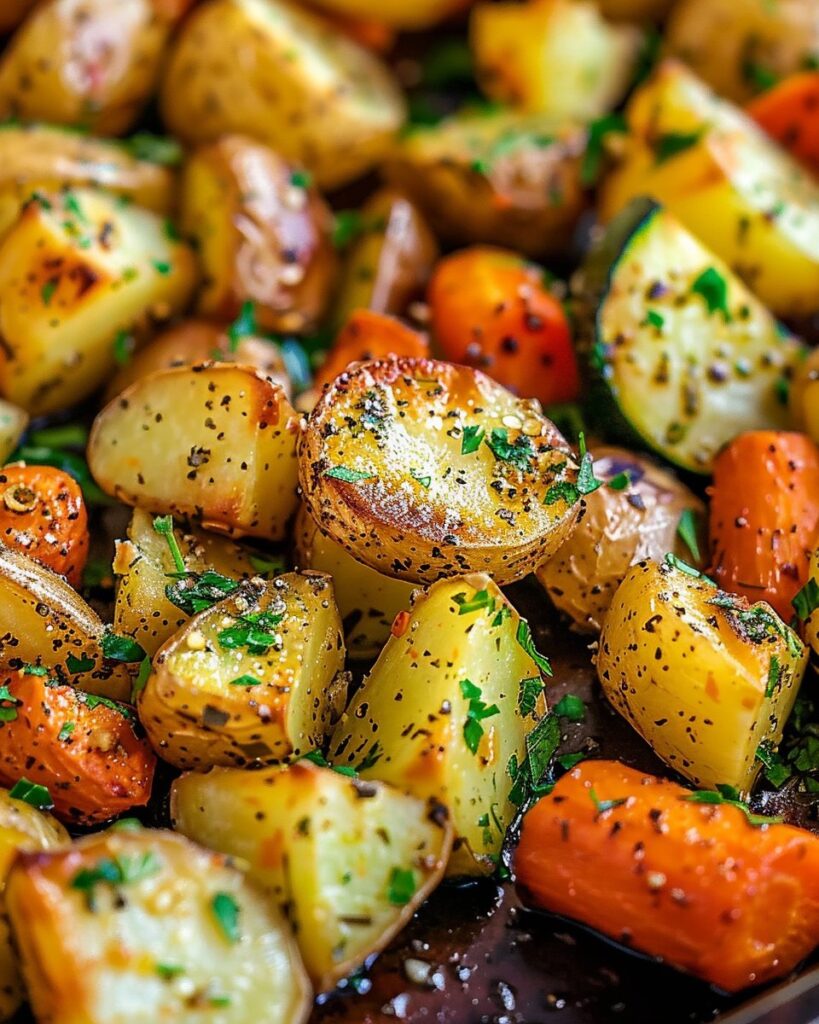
(729,796)
(571,707)
(121,869)
(253,631)
(195,592)
(471,439)
(301,179)
(568,761)
(806,601)
(519,452)
(371,758)
(161,267)
(776,770)
(595,145)
(774,676)
(121,648)
(531,777)
(587,482)
(347,475)
(671,144)
(687,531)
(529,690)
(654,319)
(243,326)
(401,887)
(480,599)
(66,731)
(124,344)
(158,149)
(169,971)
(34,670)
(163,525)
(32,793)
(689,570)
(526,641)
(348,225)
(8,705)
(246,680)
(602,806)
(143,675)
(620,482)
(477,712)
(47,291)
(226,911)
(76,666)
(713,288)
(424,481)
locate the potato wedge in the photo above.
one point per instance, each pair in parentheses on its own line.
(294,82)
(804,395)
(556,57)
(422,469)
(498,177)
(13,13)
(449,711)
(45,622)
(255,679)
(215,442)
(403,14)
(627,523)
(353,860)
(702,675)
(262,233)
(13,423)
(734,188)
(76,269)
(141,926)
(367,600)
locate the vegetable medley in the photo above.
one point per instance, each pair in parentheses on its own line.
(327,329)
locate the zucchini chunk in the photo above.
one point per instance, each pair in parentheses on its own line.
(684,355)
(351,860)
(704,677)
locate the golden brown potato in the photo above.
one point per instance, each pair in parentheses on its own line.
(404,14)
(351,861)
(215,442)
(139,925)
(86,63)
(13,422)
(293,81)
(13,13)
(77,270)
(500,177)
(198,341)
(424,469)
(804,395)
(256,678)
(262,233)
(624,523)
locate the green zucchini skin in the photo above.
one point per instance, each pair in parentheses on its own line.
(680,356)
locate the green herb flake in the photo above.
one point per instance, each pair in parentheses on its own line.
(196,592)
(32,793)
(774,676)
(243,326)
(480,599)
(77,666)
(713,288)
(226,911)
(157,149)
(47,291)
(124,344)
(471,439)
(161,267)
(728,795)
(301,179)
(620,482)
(563,490)
(525,639)
(253,631)
(603,806)
(776,771)
(66,731)
(122,869)
(401,887)
(519,452)
(8,705)
(347,475)
(34,670)
(806,601)
(163,525)
(246,680)
(654,319)
(673,143)
(593,158)
(570,707)
(169,971)
(424,481)
(529,690)
(121,648)
(568,761)
(587,482)
(687,532)
(477,711)
(689,570)
(141,681)
(348,225)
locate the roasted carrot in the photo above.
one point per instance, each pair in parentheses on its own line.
(42,514)
(764,518)
(789,113)
(83,749)
(491,309)
(369,335)
(644,861)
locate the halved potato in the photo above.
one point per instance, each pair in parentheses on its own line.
(702,675)
(623,525)
(45,622)
(423,469)
(76,270)
(351,861)
(293,81)
(367,600)
(139,926)
(145,570)
(496,177)
(262,233)
(557,57)
(804,395)
(13,423)
(255,679)
(448,712)
(215,442)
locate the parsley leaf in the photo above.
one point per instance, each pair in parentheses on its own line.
(671,144)
(571,707)
(8,705)
(471,439)
(401,886)
(595,146)
(252,631)
(602,806)
(712,286)
(121,648)
(526,641)
(76,666)
(477,711)
(226,911)
(687,531)
(348,476)
(480,599)
(163,525)
(122,869)
(243,326)
(32,793)
(728,795)
(196,592)
(806,601)
(246,680)
(529,690)
(519,452)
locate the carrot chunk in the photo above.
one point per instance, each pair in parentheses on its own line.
(789,113)
(370,335)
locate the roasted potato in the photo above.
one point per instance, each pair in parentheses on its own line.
(198,341)
(13,423)
(350,860)
(804,395)
(702,675)
(449,712)
(262,233)
(46,623)
(13,13)
(293,81)
(740,46)
(555,57)
(501,177)
(733,187)
(254,679)
(404,14)
(143,926)
(77,269)
(41,158)
(424,469)
(635,10)
(22,827)
(216,442)
(86,63)
(368,601)
(641,512)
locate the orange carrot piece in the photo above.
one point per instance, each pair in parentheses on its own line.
(370,335)
(694,883)
(789,113)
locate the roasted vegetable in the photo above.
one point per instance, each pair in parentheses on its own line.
(350,860)
(806,604)
(789,113)
(83,749)
(684,876)
(453,710)
(641,512)
(141,925)
(422,469)
(13,422)
(410,14)
(702,675)
(491,309)
(684,355)
(294,82)
(368,335)
(254,679)
(213,441)
(804,395)
(13,13)
(76,270)
(635,10)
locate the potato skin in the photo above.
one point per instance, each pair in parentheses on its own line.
(261,235)
(701,675)
(294,82)
(620,528)
(381,426)
(201,706)
(151,947)
(169,444)
(13,13)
